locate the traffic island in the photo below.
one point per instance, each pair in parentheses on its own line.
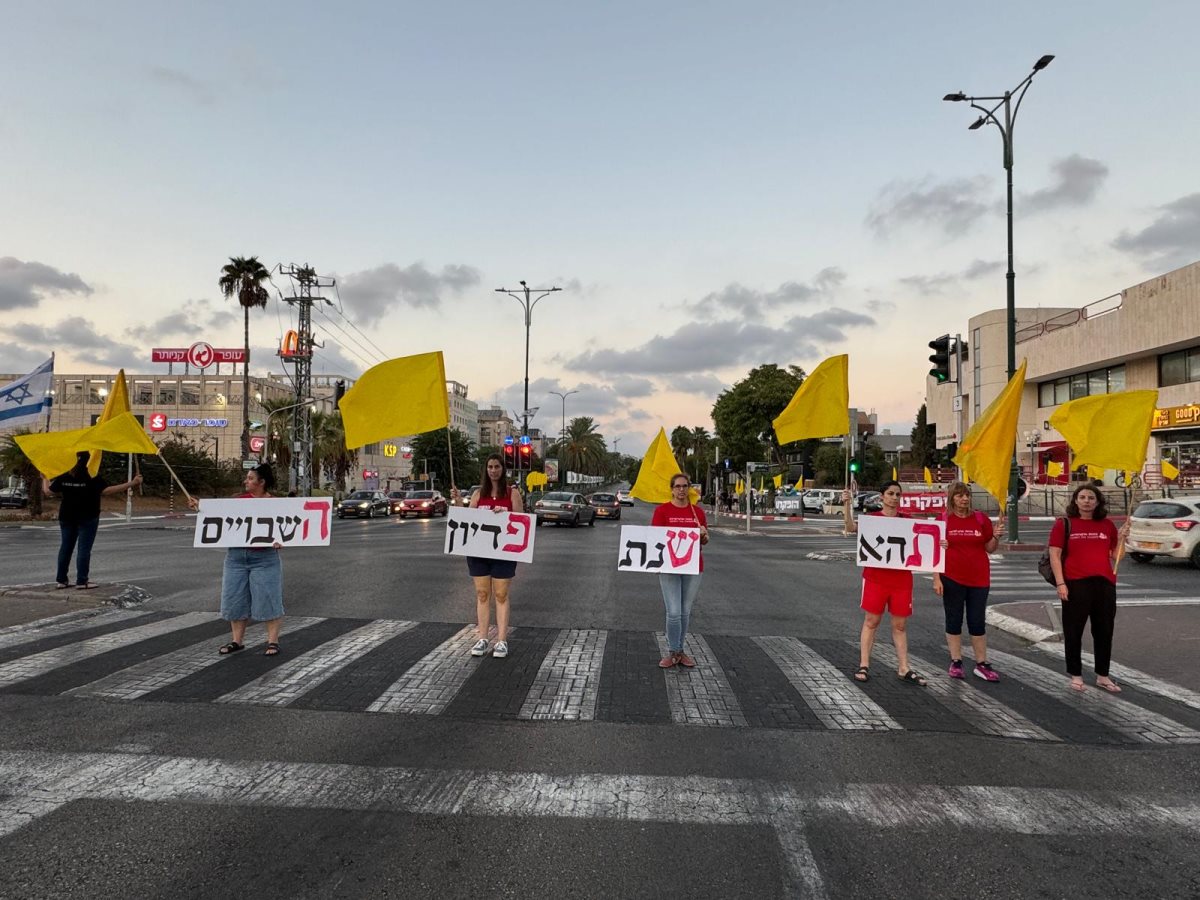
(22,603)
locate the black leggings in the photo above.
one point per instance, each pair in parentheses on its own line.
(1094,598)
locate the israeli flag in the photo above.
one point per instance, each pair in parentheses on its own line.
(24,400)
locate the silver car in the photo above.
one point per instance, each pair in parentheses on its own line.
(1166,527)
(563,508)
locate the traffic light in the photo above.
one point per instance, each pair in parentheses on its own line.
(508,453)
(339,391)
(940,358)
(853,466)
(526,450)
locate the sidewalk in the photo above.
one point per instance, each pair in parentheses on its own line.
(22,603)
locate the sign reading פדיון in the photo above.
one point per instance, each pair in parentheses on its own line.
(911,545)
(263,522)
(490,534)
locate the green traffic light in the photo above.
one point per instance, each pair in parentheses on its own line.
(854,466)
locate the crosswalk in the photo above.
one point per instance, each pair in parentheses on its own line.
(390,667)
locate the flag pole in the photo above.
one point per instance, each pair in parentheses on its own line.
(846,504)
(450,455)
(176,477)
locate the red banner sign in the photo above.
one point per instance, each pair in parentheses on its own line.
(201,355)
(923,503)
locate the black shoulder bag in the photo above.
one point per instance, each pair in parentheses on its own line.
(1044,563)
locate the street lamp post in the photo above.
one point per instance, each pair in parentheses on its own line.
(1011,102)
(562,438)
(267,429)
(523,296)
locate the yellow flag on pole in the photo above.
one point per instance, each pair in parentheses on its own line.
(739,487)
(659,466)
(821,405)
(117,403)
(54,452)
(1109,430)
(985,452)
(1169,471)
(928,477)
(778,479)
(1054,469)
(895,477)
(1095,473)
(401,396)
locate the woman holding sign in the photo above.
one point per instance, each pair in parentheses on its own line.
(888,590)
(492,576)
(970,537)
(252,582)
(679,591)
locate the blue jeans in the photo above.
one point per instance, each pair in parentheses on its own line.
(252,585)
(83,534)
(679,593)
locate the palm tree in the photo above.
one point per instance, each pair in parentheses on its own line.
(582,448)
(242,277)
(330,455)
(701,446)
(279,431)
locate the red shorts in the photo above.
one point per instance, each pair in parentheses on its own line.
(895,598)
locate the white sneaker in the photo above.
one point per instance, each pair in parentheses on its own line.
(500,650)
(480,648)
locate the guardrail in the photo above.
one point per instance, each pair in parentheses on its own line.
(1093,310)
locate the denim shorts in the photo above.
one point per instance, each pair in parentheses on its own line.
(480,567)
(252,586)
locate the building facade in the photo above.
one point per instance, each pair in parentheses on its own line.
(1145,337)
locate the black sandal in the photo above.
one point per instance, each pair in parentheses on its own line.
(912,677)
(231,647)
(272,649)
(864,671)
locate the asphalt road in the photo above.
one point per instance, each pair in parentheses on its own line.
(374,759)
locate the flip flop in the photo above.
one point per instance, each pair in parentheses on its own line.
(1112,687)
(1078,686)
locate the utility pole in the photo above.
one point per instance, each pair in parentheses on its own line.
(306,280)
(523,296)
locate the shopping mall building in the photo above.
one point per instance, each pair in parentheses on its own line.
(1145,337)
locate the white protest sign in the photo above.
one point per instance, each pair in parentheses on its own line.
(671,550)
(911,545)
(252,522)
(490,534)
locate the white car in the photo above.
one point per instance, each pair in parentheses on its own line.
(624,499)
(1165,527)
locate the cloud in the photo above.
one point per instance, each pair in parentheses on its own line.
(743,301)
(1077,179)
(193,321)
(1170,241)
(199,92)
(370,294)
(629,386)
(27,283)
(940,283)
(705,385)
(18,359)
(953,206)
(705,346)
(83,340)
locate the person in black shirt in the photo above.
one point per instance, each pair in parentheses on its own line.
(79,517)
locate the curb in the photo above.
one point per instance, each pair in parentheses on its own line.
(1027,630)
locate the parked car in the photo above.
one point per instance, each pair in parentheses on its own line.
(624,499)
(607,506)
(868,501)
(364,504)
(561,508)
(1168,527)
(13,498)
(812,501)
(423,503)
(394,498)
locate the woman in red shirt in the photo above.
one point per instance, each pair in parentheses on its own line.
(970,537)
(885,589)
(1087,581)
(492,577)
(679,591)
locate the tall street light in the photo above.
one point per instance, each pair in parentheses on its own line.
(528,302)
(1011,103)
(562,438)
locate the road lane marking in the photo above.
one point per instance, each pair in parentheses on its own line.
(703,695)
(298,676)
(836,700)
(1120,715)
(973,705)
(152,674)
(67,623)
(1139,679)
(567,684)
(429,686)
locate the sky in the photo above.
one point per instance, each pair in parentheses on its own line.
(714,186)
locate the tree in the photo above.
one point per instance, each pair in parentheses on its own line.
(243,277)
(330,454)
(744,412)
(702,443)
(582,448)
(279,431)
(922,440)
(829,462)
(432,448)
(14,460)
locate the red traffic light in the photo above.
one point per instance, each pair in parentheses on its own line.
(526,449)
(508,450)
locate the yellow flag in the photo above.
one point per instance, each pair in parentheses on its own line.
(54,452)
(1095,473)
(985,452)
(659,466)
(1109,430)
(895,477)
(739,488)
(778,479)
(117,402)
(1169,471)
(397,397)
(535,479)
(928,477)
(821,405)
(1054,469)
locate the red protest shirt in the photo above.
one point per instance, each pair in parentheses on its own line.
(966,557)
(1089,553)
(896,578)
(668,515)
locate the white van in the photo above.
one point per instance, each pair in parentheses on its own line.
(817,499)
